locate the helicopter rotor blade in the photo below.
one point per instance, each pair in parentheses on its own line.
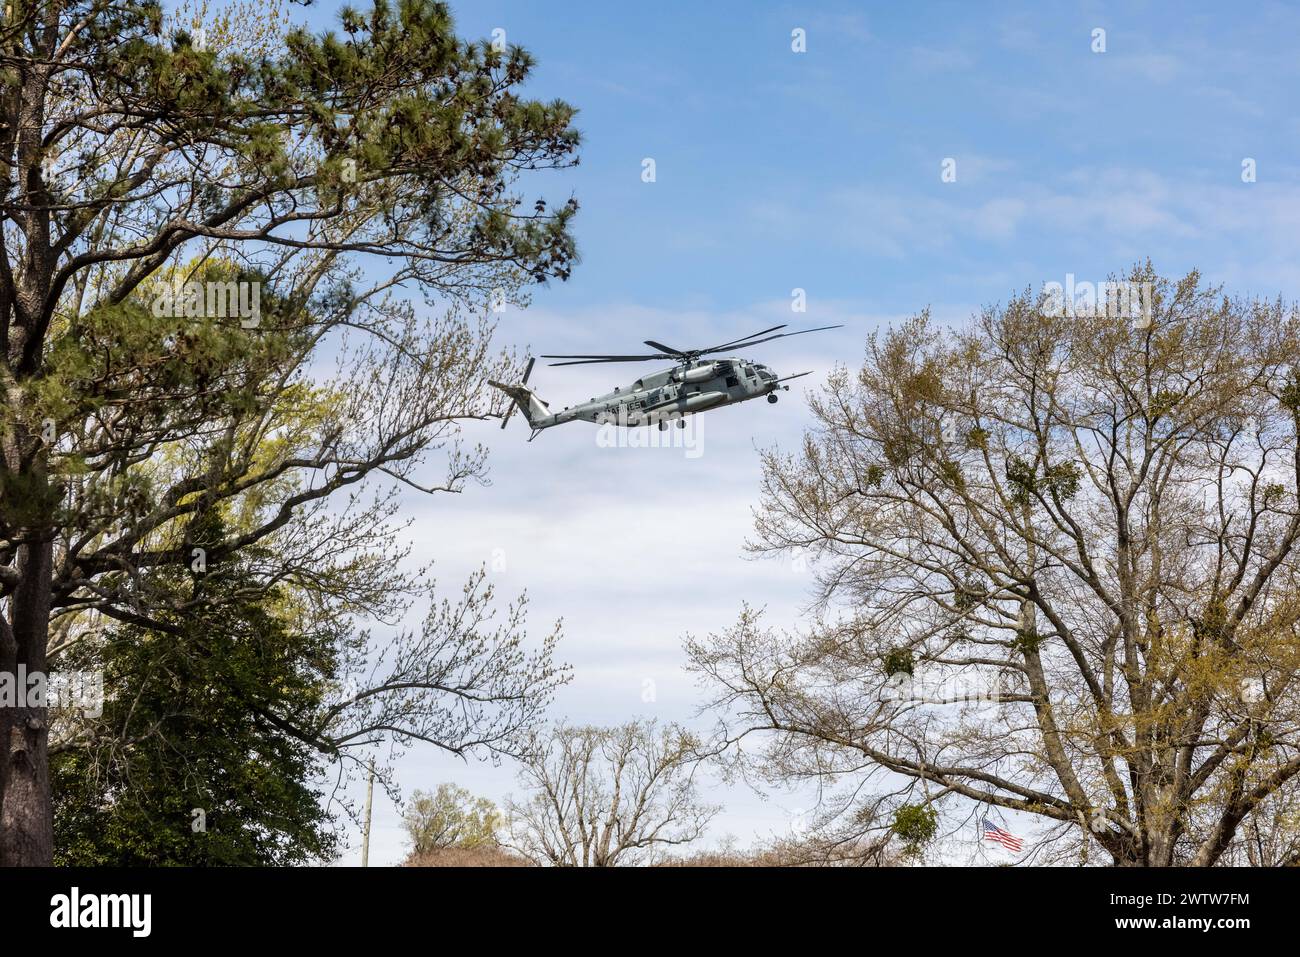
(781,335)
(663,348)
(684,355)
(737,342)
(603,355)
(590,360)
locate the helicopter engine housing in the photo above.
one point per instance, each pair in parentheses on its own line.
(698,374)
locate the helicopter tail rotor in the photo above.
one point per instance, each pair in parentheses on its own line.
(529,402)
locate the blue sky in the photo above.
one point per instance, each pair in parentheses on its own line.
(821,170)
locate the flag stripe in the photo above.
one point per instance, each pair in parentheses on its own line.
(1008,840)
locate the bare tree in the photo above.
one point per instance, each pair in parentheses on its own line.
(1056,567)
(608,796)
(1269,836)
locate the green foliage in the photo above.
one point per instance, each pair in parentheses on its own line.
(916,826)
(900,447)
(177,374)
(1027,640)
(451,817)
(925,384)
(969,595)
(1020,476)
(899,661)
(1061,480)
(1163,402)
(1211,624)
(951,474)
(186,725)
(23,497)
(1290,396)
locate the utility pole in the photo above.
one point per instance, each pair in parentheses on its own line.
(1083,849)
(365,832)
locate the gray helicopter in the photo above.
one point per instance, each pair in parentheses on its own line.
(694,384)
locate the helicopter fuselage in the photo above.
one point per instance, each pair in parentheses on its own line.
(673,393)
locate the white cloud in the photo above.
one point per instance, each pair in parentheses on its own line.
(1130,212)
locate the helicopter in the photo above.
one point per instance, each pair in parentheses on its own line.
(695,383)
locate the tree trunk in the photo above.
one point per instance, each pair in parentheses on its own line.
(26,817)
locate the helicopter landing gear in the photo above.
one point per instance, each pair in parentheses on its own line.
(771,397)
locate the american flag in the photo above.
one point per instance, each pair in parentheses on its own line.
(1008,840)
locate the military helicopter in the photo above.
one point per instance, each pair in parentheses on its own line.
(694,384)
